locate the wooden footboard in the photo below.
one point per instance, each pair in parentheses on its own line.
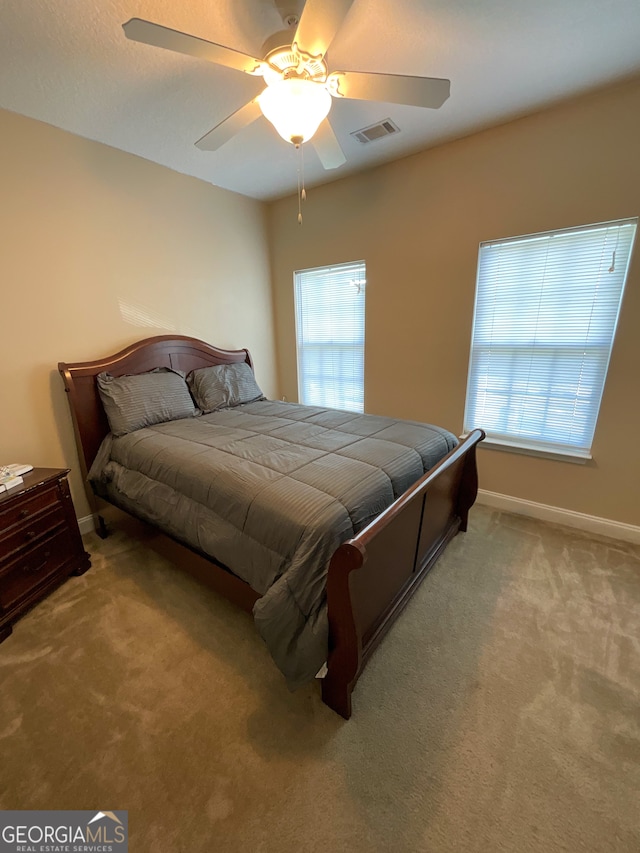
(372,576)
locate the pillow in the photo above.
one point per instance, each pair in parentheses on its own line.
(223,385)
(142,399)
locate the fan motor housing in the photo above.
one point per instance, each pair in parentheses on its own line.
(278,41)
(294,63)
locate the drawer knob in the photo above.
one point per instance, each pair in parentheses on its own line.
(30,534)
(24,513)
(32,570)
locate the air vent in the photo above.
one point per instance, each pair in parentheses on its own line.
(376,131)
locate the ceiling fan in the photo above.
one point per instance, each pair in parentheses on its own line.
(299,86)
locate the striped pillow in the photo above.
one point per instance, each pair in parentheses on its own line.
(223,385)
(140,400)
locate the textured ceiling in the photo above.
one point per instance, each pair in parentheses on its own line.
(67,62)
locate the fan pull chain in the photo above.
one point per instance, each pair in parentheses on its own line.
(302,193)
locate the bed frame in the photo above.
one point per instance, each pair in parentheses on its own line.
(371,577)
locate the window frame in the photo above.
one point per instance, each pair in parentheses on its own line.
(358,345)
(502,440)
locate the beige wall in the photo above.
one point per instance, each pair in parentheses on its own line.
(418,222)
(100,249)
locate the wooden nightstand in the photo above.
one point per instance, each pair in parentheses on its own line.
(40,544)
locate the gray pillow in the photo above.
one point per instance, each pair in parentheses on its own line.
(142,399)
(223,385)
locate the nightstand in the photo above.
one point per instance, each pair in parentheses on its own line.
(40,543)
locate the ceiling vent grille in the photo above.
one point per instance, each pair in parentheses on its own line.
(376,131)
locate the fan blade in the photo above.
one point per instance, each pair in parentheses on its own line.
(327,146)
(320,21)
(390,88)
(227,128)
(144,31)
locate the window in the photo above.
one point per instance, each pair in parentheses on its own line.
(330,336)
(545,318)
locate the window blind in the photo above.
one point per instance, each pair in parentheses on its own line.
(330,335)
(546,311)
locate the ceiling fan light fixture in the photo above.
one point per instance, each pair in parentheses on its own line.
(295,106)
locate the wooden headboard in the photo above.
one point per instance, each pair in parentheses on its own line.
(177,351)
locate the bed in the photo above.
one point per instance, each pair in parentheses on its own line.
(279,502)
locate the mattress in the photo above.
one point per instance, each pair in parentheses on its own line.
(270,489)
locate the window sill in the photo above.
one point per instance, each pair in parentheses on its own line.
(574,456)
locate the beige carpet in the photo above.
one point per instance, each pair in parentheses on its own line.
(502,713)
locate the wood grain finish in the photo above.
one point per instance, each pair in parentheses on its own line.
(371,577)
(40,544)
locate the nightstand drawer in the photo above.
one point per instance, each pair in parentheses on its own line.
(27,507)
(34,568)
(40,544)
(30,532)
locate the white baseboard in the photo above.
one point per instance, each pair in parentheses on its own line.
(86,524)
(579,520)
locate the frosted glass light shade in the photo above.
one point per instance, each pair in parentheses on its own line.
(295,107)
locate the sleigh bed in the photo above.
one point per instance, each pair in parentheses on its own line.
(361,571)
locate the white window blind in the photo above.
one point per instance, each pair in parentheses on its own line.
(330,335)
(545,318)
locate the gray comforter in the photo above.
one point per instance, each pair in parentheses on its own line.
(270,489)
